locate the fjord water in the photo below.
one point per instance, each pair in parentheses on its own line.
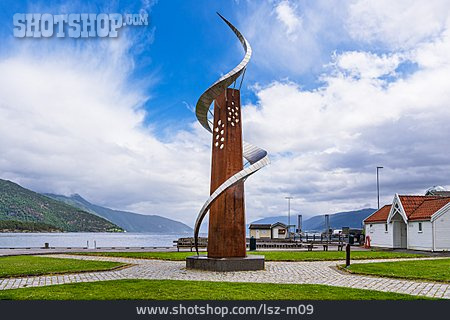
(80,239)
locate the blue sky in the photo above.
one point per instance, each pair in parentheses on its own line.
(185,48)
(333,89)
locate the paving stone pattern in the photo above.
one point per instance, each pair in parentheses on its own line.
(317,272)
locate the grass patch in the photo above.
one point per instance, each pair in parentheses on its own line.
(269,255)
(434,270)
(195,290)
(332,255)
(18,266)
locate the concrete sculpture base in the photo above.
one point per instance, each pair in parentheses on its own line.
(249,263)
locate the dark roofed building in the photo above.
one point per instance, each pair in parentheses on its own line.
(276,230)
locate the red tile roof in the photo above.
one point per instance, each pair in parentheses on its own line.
(416,208)
(428,208)
(380,215)
(411,203)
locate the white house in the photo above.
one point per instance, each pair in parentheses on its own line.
(260,231)
(411,222)
(277,230)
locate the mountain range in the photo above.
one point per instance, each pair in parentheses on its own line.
(352,219)
(130,221)
(24,210)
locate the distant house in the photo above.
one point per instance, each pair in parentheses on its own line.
(437,191)
(411,222)
(277,230)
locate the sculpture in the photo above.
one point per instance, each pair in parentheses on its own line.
(227,234)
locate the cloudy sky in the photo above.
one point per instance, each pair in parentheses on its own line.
(334,89)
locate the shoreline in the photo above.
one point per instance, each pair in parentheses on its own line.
(52,250)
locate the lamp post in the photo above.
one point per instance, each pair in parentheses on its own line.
(289,215)
(378,187)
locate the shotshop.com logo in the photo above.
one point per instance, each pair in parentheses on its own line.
(74,25)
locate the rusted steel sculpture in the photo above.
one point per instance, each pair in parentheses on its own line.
(226,235)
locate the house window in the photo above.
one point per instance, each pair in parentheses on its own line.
(420,226)
(385,227)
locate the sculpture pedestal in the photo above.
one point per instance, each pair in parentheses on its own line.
(248,263)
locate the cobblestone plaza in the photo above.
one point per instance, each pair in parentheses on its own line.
(317,272)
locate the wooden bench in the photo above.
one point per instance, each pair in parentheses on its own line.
(189,243)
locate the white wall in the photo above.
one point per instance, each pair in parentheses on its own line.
(264,233)
(276,234)
(378,236)
(254,233)
(442,232)
(420,240)
(260,233)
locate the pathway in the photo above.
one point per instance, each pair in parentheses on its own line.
(317,272)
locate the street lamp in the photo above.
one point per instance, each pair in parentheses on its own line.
(378,187)
(289,215)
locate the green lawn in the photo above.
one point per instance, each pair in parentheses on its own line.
(17,266)
(194,290)
(270,255)
(434,270)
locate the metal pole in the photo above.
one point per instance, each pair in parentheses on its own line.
(300,223)
(289,216)
(378,187)
(347,255)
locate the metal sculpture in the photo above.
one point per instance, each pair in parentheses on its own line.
(256,157)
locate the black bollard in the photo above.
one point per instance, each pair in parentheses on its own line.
(252,244)
(347,255)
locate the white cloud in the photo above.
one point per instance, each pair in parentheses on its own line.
(327,142)
(286,14)
(366,64)
(289,39)
(398,24)
(293,39)
(74,123)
